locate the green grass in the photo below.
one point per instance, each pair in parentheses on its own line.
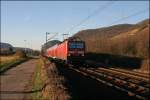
(38,83)
(8,64)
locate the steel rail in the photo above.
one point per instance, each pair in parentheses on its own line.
(102,78)
(140,74)
(123,81)
(125,74)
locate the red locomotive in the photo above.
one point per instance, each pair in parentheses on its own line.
(71,51)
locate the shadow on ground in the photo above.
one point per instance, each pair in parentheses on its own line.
(85,88)
(115,60)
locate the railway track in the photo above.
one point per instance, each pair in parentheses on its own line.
(135,73)
(133,86)
(133,76)
(140,74)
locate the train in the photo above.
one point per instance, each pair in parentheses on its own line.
(70,51)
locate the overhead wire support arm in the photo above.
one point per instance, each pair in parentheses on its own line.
(52,36)
(47,39)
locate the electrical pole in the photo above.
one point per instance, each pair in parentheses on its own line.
(46,39)
(49,38)
(65,35)
(25,45)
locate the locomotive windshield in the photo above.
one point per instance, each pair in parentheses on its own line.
(75,45)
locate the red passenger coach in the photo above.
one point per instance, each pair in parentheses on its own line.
(71,50)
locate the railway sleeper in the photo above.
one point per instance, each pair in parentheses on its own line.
(142,89)
(142,94)
(110,75)
(142,83)
(129,80)
(141,97)
(131,85)
(146,94)
(118,83)
(120,77)
(136,80)
(131,92)
(147,85)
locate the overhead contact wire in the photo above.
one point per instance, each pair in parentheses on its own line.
(100,9)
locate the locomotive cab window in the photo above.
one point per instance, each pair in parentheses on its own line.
(74,45)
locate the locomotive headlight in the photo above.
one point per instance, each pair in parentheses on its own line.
(83,54)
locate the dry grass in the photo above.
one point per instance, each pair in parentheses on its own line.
(125,40)
(18,55)
(8,61)
(145,66)
(47,73)
(55,88)
(39,79)
(8,58)
(136,45)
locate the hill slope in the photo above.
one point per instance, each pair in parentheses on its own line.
(106,31)
(123,39)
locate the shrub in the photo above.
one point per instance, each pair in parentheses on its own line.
(20,53)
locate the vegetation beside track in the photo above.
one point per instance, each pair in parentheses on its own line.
(57,83)
(39,80)
(7,62)
(47,83)
(7,65)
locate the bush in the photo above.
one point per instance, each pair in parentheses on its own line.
(36,53)
(20,53)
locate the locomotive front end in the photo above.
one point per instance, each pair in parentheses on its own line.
(76,51)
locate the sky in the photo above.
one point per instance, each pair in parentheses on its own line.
(30,20)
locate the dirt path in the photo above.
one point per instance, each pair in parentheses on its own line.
(14,82)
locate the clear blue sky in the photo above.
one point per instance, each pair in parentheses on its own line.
(29,20)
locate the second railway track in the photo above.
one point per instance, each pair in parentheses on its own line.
(127,75)
(140,74)
(130,85)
